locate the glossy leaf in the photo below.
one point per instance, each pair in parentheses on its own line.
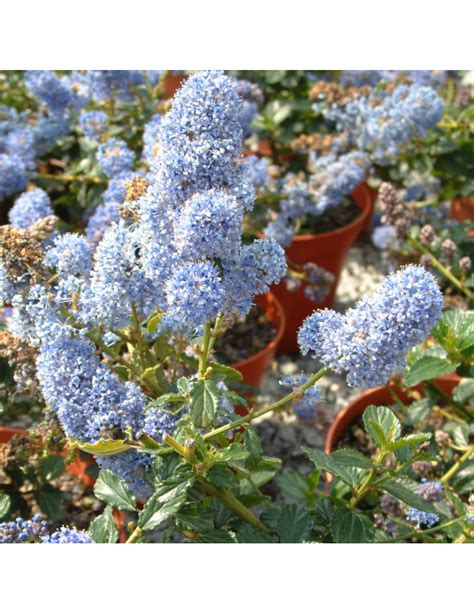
(103,529)
(114,491)
(349,527)
(381,424)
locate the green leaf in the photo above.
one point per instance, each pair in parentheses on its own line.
(324,512)
(200,521)
(326,463)
(51,502)
(5,504)
(254,447)
(404,490)
(166,501)
(262,473)
(463,481)
(464,391)
(233,452)
(294,524)
(349,527)
(52,467)
(412,440)
(153,322)
(218,536)
(247,534)
(114,491)
(231,374)
(381,424)
(295,486)
(427,368)
(352,458)
(418,411)
(104,447)
(204,402)
(103,529)
(184,386)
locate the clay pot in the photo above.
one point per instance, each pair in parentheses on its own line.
(254,368)
(264,150)
(462,210)
(376,396)
(373,199)
(172,84)
(328,250)
(78,468)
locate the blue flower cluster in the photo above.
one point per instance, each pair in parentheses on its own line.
(421,519)
(115,157)
(30,207)
(94,124)
(252,98)
(23,531)
(384,121)
(332,178)
(370,342)
(13,175)
(70,254)
(67,535)
(54,92)
(305,405)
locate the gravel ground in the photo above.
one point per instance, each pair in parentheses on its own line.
(283,434)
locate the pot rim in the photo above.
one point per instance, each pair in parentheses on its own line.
(360,219)
(330,440)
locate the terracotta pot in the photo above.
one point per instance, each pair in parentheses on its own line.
(77,468)
(373,199)
(253,369)
(376,396)
(264,150)
(328,250)
(462,210)
(172,84)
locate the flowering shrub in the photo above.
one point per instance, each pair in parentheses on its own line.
(122,323)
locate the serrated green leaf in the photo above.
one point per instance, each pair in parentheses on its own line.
(293,525)
(51,502)
(52,467)
(183,386)
(352,458)
(5,504)
(349,527)
(200,522)
(295,486)
(218,536)
(233,452)
(463,481)
(418,411)
(103,529)
(412,440)
(204,402)
(104,447)
(324,512)
(247,534)
(326,463)
(381,424)
(427,368)
(254,447)
(231,374)
(464,391)
(114,491)
(153,322)
(404,490)
(166,501)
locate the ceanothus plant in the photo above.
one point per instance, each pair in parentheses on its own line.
(125,334)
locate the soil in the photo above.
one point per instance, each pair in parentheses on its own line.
(332,219)
(356,437)
(245,338)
